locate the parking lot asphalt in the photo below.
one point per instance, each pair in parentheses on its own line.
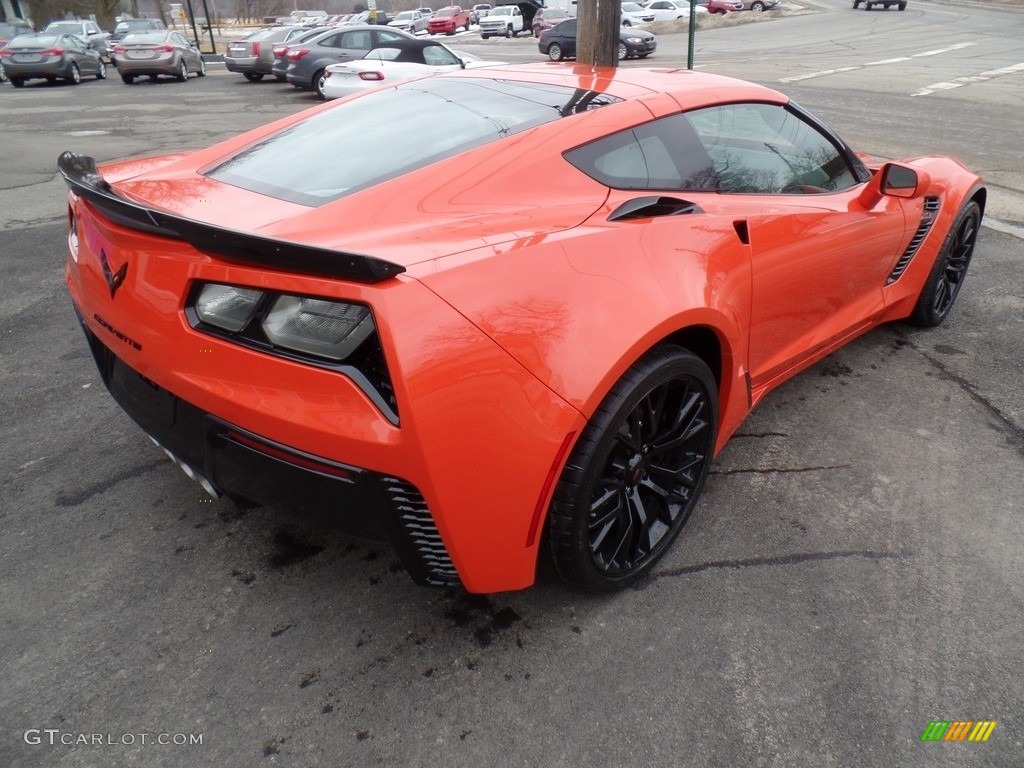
(853,573)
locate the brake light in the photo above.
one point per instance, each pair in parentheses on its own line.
(371,75)
(164,48)
(4,53)
(255,49)
(298,54)
(280,51)
(120,49)
(52,52)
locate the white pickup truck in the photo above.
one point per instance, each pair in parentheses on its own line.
(503,21)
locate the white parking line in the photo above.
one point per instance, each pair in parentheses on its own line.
(896,60)
(962,81)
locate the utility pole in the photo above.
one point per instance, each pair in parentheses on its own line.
(597,35)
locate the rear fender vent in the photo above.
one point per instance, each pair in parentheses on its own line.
(422,539)
(931,210)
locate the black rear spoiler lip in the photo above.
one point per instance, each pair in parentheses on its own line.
(84,179)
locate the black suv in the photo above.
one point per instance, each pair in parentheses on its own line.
(869,4)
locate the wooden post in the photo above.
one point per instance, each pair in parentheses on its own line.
(597,35)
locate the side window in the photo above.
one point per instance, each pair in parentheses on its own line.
(663,154)
(438,56)
(331,41)
(390,37)
(766,149)
(360,40)
(179,40)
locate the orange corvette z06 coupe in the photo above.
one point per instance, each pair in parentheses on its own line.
(529,324)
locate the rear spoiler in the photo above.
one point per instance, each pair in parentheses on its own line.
(84,179)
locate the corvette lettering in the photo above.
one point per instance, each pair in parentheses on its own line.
(120,336)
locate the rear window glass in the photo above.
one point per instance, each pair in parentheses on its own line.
(399,130)
(144,37)
(33,41)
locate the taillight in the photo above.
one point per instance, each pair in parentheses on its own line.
(280,51)
(255,49)
(52,52)
(371,75)
(4,53)
(164,48)
(296,55)
(120,49)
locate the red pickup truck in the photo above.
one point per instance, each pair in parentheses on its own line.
(448,20)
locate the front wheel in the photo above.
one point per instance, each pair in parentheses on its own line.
(623,52)
(554,52)
(202,68)
(182,71)
(101,74)
(319,81)
(627,23)
(635,474)
(75,75)
(947,274)
(757,7)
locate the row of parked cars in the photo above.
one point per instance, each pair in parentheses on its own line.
(337,60)
(75,49)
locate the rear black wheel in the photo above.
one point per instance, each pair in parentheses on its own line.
(943,283)
(319,80)
(127,79)
(252,77)
(17,82)
(636,472)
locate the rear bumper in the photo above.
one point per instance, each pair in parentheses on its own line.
(164,65)
(230,460)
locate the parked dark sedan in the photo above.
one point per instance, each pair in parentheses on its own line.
(157,53)
(308,62)
(279,68)
(559,42)
(50,57)
(253,57)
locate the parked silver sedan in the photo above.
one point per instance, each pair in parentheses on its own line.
(50,57)
(157,52)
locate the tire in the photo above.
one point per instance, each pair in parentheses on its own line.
(3,75)
(627,23)
(623,52)
(642,55)
(281,78)
(636,472)
(75,75)
(127,79)
(485,37)
(947,274)
(152,78)
(17,83)
(102,73)
(868,6)
(182,71)
(758,6)
(318,82)
(554,52)
(902,6)
(467,26)
(252,77)
(202,68)
(508,32)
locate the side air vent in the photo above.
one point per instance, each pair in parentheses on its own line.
(931,209)
(417,524)
(652,207)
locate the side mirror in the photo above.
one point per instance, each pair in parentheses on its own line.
(894,180)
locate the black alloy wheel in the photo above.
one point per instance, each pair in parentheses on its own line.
(636,472)
(947,274)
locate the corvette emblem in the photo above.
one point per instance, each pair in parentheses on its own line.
(114,279)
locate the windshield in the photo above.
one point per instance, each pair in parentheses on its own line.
(446,12)
(65,27)
(33,41)
(501,12)
(144,37)
(420,123)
